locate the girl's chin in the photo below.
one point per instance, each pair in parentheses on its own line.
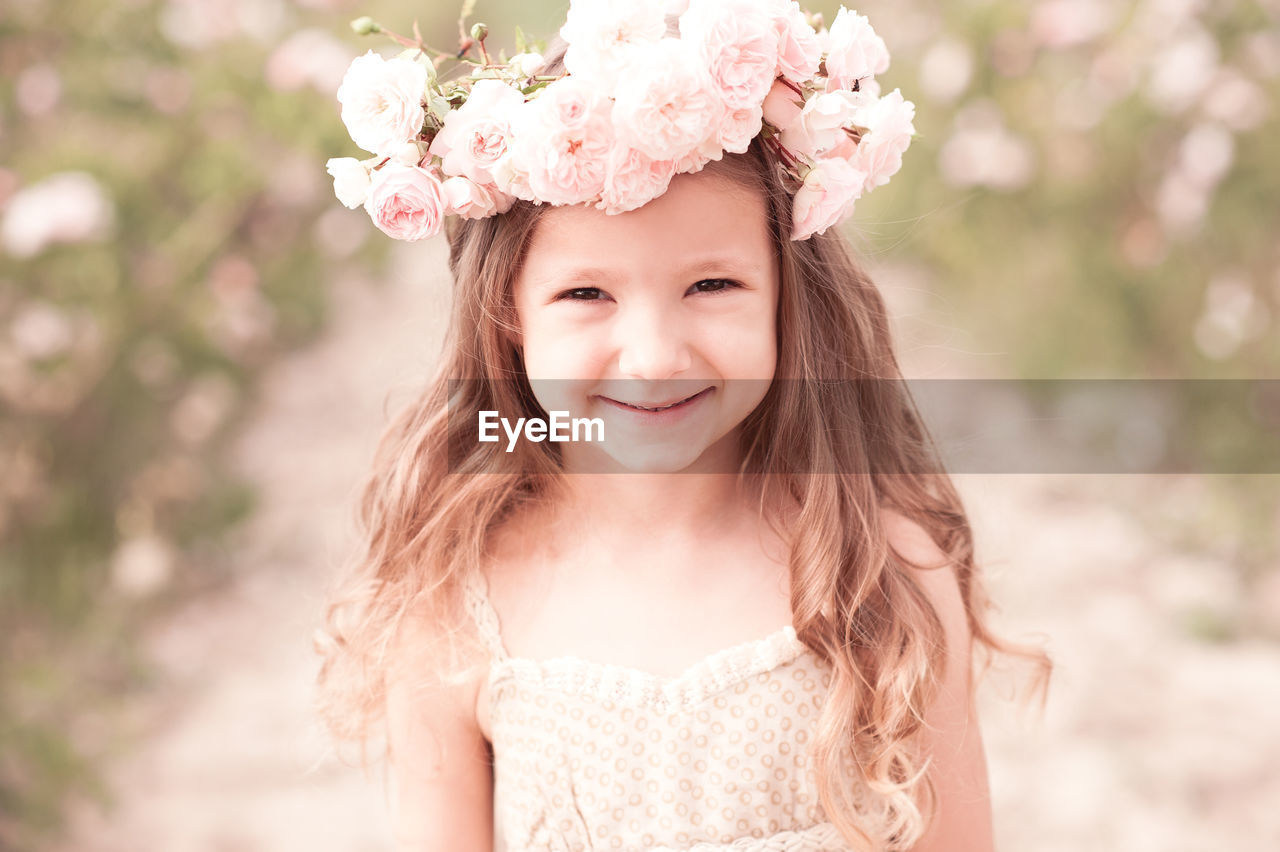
(641,459)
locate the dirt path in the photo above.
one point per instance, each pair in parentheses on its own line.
(1152,739)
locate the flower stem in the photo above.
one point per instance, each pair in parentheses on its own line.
(782,152)
(792,86)
(401,40)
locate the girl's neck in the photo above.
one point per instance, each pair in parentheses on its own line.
(647,512)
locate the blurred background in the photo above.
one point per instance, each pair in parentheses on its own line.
(199,347)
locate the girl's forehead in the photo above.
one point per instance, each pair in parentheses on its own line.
(699,216)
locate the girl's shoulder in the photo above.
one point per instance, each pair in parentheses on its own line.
(934,572)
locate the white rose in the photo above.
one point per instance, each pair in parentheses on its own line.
(510,176)
(350,180)
(382,102)
(408,154)
(854,50)
(602,35)
(477,135)
(527,64)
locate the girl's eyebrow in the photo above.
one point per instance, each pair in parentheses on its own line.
(719,263)
(736,264)
(581,274)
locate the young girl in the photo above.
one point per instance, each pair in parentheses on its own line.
(747,619)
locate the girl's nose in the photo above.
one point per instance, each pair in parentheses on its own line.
(651,346)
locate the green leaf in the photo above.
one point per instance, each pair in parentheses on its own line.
(440,107)
(521,42)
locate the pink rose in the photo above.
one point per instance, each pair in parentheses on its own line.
(694,160)
(799,51)
(827,196)
(665,105)
(471,200)
(561,163)
(406,202)
(633,180)
(782,106)
(738,127)
(854,50)
(889,127)
(568,102)
(476,135)
(738,44)
(382,102)
(821,124)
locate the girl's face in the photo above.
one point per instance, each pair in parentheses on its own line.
(675,301)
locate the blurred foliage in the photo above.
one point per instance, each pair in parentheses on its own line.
(128,359)
(1091,195)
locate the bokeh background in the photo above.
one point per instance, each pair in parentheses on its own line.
(199,347)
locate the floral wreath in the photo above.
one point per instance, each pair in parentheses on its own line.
(635,108)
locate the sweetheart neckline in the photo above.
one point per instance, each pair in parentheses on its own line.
(710,675)
(787,631)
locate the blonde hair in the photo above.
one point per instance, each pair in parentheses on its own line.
(435,495)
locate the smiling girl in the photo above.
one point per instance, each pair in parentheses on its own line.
(748,619)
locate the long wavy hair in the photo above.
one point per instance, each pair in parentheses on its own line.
(425,515)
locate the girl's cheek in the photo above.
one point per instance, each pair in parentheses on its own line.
(748,348)
(558,352)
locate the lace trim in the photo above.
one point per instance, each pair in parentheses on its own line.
(626,685)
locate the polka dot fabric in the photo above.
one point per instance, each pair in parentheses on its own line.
(592,756)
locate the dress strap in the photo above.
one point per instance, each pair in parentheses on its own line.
(484,615)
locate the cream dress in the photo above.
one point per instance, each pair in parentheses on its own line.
(593,756)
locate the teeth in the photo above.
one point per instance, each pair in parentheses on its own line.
(659,408)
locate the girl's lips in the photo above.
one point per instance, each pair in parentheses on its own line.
(663,415)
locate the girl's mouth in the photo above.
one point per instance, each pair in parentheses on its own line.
(657,410)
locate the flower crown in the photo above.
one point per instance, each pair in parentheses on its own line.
(635,108)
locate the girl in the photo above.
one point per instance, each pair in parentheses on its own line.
(746,620)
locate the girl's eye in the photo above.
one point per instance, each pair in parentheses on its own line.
(576,294)
(721,284)
(594,294)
